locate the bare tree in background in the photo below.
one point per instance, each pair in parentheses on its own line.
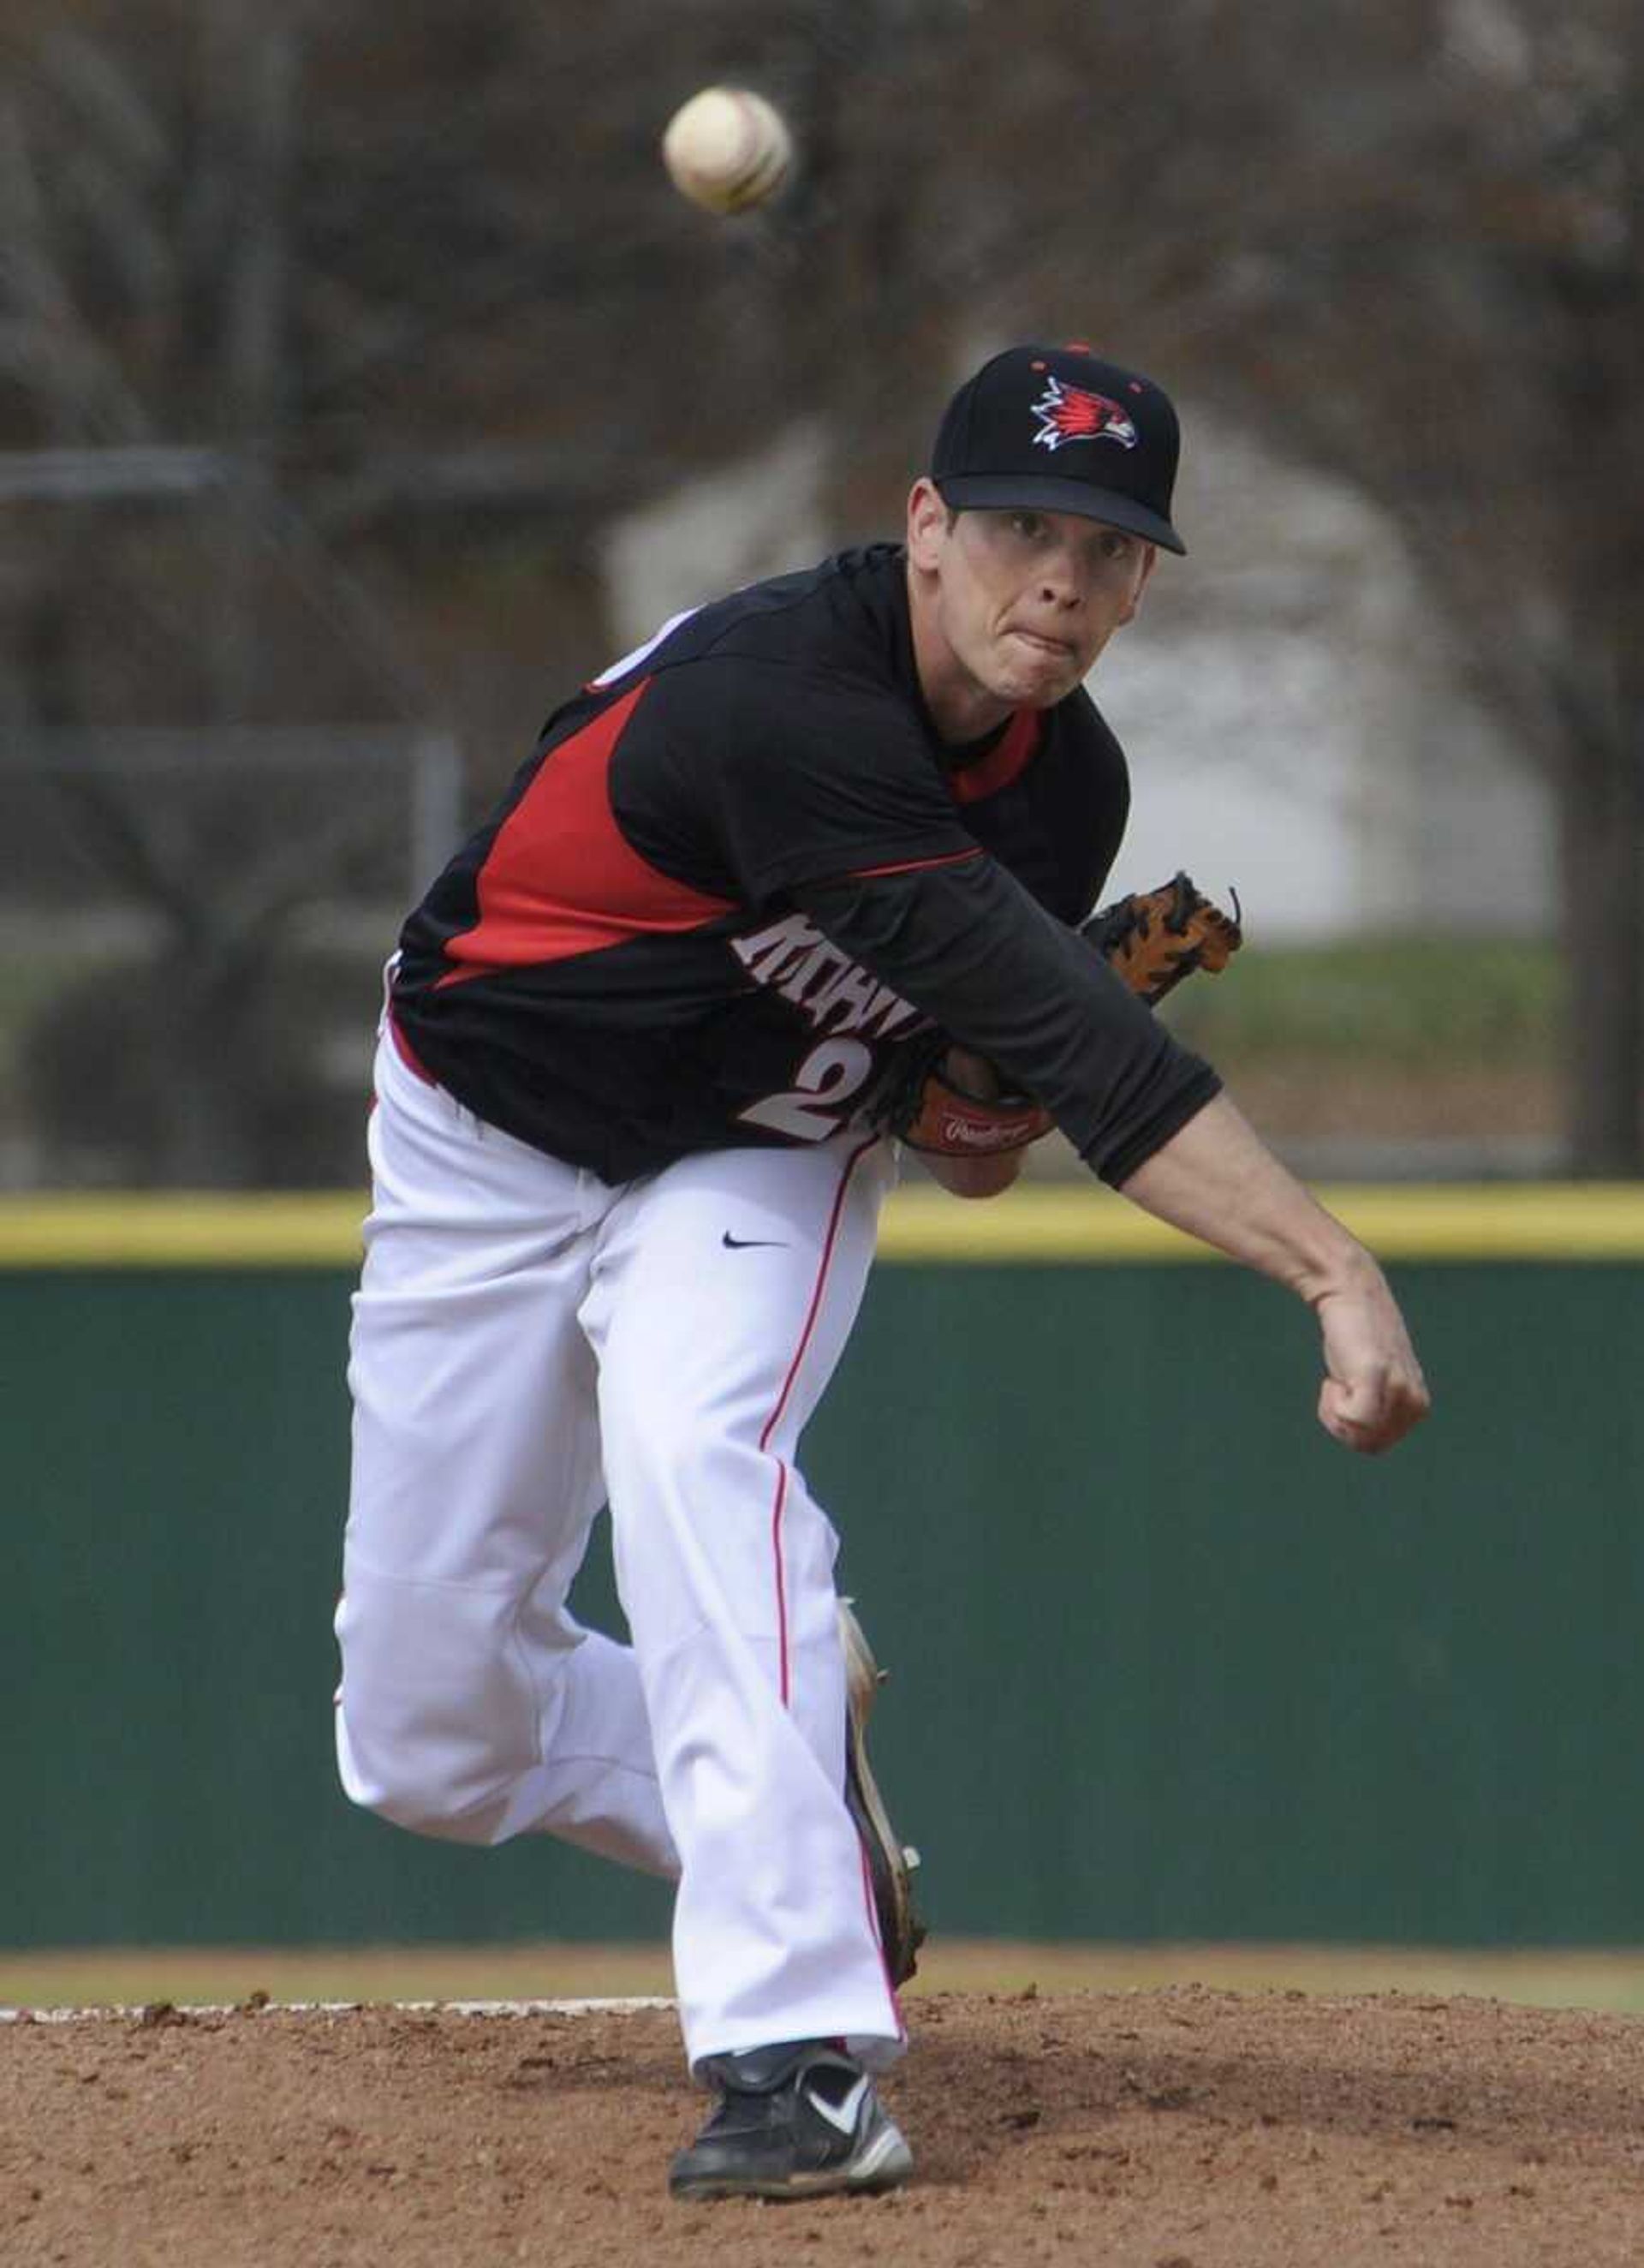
(148,301)
(1406,243)
(299,322)
(1453,315)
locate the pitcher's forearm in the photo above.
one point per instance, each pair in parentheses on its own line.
(1215,1179)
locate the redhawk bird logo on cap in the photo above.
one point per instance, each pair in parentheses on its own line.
(1070,413)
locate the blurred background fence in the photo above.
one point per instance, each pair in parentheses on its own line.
(193,930)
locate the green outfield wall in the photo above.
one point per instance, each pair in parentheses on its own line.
(1167,1663)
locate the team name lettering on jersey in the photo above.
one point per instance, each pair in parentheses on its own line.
(835,993)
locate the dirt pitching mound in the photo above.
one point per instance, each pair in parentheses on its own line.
(1175,2129)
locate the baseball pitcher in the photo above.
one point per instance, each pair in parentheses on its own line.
(809,875)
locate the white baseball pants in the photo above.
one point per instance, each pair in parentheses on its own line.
(529,1343)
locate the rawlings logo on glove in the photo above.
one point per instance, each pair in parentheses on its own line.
(1152,939)
(926,1105)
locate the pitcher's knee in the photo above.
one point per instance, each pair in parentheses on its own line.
(438,1717)
(429,1777)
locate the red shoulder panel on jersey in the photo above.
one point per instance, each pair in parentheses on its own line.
(1001,765)
(560,877)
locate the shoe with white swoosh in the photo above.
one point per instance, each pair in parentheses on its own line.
(800,2119)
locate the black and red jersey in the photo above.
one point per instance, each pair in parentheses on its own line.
(741,866)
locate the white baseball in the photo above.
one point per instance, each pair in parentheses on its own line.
(727,148)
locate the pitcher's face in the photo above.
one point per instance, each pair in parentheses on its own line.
(1015,606)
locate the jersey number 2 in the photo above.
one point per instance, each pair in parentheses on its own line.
(822,1097)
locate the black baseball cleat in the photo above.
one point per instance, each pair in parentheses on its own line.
(891,1861)
(797,2120)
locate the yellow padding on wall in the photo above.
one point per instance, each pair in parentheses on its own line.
(1545,1220)
(139,1229)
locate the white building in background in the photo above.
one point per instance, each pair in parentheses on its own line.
(1294,725)
(759,517)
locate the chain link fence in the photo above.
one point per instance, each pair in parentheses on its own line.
(193,925)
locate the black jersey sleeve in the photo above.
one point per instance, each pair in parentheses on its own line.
(967,944)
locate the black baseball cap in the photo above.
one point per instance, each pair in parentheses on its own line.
(1056,429)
